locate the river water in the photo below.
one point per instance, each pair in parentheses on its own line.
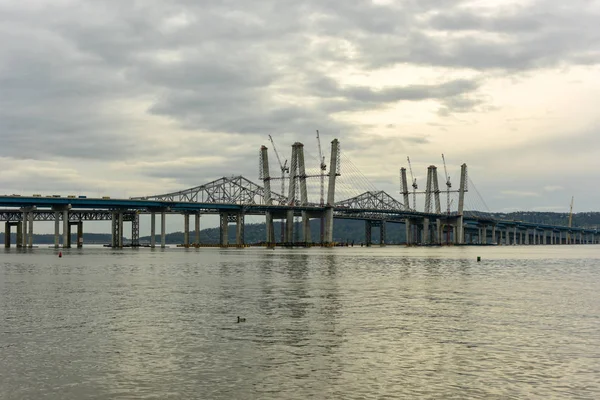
(347,323)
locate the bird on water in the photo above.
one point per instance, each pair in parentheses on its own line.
(241,319)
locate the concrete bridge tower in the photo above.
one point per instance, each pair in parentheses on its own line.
(334,171)
(461,204)
(266,177)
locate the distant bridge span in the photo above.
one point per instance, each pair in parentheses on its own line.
(232,198)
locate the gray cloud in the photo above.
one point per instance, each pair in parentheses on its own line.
(87,80)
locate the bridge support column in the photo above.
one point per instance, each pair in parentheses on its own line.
(135,230)
(30,216)
(7,234)
(24,221)
(163,229)
(426,235)
(65,240)
(270,228)
(152,229)
(197,228)
(56,229)
(239,229)
(289,228)
(438,231)
(408,232)
(334,170)
(507,233)
(117,229)
(79,234)
(460,227)
(494,234)
(368,233)
(224,229)
(306,235)
(329,226)
(19,241)
(27,239)
(382,233)
(186,230)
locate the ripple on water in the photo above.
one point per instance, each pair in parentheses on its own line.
(347,323)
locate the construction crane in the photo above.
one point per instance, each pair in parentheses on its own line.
(284,167)
(323,167)
(448,185)
(414,184)
(571,212)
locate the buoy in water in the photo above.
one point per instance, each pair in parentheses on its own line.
(59,254)
(478,258)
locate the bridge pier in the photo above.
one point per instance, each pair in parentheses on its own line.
(163,229)
(56,229)
(7,233)
(368,233)
(426,235)
(225,219)
(306,235)
(328,226)
(27,240)
(197,228)
(224,229)
(334,171)
(239,229)
(19,241)
(460,227)
(135,230)
(79,225)
(117,230)
(289,228)
(270,228)
(152,229)
(186,230)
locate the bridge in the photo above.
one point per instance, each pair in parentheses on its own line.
(234,198)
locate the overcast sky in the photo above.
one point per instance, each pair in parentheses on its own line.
(132,98)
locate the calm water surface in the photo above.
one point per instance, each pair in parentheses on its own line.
(354,323)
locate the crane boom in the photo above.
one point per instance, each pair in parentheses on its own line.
(571,212)
(284,167)
(414,183)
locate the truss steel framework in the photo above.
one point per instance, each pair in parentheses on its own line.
(227,190)
(16,215)
(379,200)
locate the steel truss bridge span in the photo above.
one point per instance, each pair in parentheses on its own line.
(234,197)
